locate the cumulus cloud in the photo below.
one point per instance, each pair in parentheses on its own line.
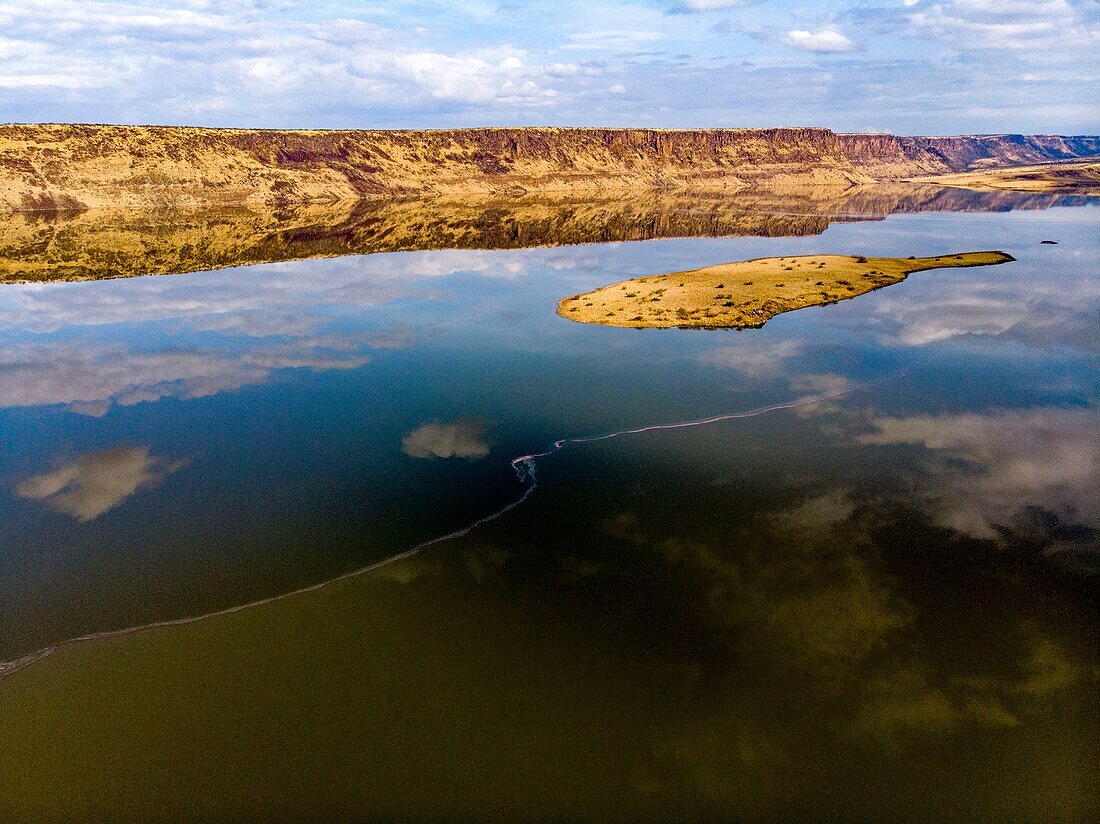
(822,41)
(461,439)
(821,384)
(249,328)
(88,378)
(909,698)
(754,357)
(294,63)
(983,470)
(979,310)
(960,307)
(930,321)
(1005,24)
(612,39)
(99,481)
(201,59)
(705,5)
(282,301)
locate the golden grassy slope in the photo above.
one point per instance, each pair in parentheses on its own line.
(74,166)
(747,293)
(1063,178)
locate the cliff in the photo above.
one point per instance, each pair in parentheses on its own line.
(888,158)
(73,167)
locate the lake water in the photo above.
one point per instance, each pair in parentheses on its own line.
(878,604)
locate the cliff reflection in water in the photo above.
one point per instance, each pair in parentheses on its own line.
(111,243)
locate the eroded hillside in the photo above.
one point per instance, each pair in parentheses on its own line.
(72,167)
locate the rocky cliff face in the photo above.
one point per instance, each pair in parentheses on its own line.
(52,167)
(983,151)
(887,157)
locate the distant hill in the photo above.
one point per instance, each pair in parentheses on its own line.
(74,167)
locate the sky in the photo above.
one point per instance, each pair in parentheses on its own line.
(902,66)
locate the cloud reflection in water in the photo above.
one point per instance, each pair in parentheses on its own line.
(94,483)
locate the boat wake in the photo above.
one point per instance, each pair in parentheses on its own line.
(525,467)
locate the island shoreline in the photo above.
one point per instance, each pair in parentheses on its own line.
(700,299)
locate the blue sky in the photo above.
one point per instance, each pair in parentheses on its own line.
(906,66)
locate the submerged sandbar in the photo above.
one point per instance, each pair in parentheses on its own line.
(747,293)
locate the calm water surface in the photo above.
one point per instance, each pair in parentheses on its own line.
(881,605)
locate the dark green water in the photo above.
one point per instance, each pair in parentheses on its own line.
(881,606)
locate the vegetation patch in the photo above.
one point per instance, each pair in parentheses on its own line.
(700,298)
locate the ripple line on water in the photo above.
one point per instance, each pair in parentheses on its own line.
(525,467)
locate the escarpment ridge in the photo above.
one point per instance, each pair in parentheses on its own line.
(74,167)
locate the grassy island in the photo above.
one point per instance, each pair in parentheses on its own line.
(747,293)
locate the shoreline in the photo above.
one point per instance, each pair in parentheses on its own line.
(1068,177)
(109,242)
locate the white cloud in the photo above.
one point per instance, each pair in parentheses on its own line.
(959,307)
(822,41)
(224,53)
(410,65)
(709,5)
(88,377)
(821,384)
(613,40)
(812,515)
(461,439)
(1005,24)
(97,482)
(276,302)
(931,321)
(985,468)
(752,357)
(61,81)
(252,327)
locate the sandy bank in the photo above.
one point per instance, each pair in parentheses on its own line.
(1054,178)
